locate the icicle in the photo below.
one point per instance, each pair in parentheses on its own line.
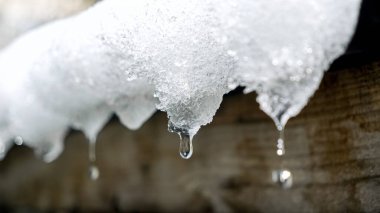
(93,169)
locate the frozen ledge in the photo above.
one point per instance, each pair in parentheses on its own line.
(131,57)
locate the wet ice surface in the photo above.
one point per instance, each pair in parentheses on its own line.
(283,49)
(131,57)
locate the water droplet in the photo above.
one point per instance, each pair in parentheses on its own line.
(18,140)
(93,172)
(185,146)
(93,169)
(283,177)
(281,144)
(185,143)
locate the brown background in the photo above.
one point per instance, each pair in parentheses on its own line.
(333,151)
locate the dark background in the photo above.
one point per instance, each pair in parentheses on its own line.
(365,45)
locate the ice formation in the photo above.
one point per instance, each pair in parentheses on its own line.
(129,57)
(284,48)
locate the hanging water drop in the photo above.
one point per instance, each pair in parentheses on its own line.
(93,169)
(185,146)
(283,177)
(185,143)
(18,140)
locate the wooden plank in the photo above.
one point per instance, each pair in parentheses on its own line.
(333,151)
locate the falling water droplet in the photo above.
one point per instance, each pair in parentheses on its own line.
(93,169)
(283,177)
(18,140)
(185,146)
(281,143)
(94,172)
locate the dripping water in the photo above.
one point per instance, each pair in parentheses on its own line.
(281,143)
(185,146)
(282,177)
(93,169)
(185,143)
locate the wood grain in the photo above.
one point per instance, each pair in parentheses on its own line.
(333,151)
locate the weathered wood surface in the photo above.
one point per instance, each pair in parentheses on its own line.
(333,151)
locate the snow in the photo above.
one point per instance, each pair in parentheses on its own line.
(130,57)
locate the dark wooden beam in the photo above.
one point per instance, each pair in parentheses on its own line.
(333,151)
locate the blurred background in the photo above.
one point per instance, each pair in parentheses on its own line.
(333,146)
(18,16)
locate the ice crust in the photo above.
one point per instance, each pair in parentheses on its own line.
(284,48)
(130,57)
